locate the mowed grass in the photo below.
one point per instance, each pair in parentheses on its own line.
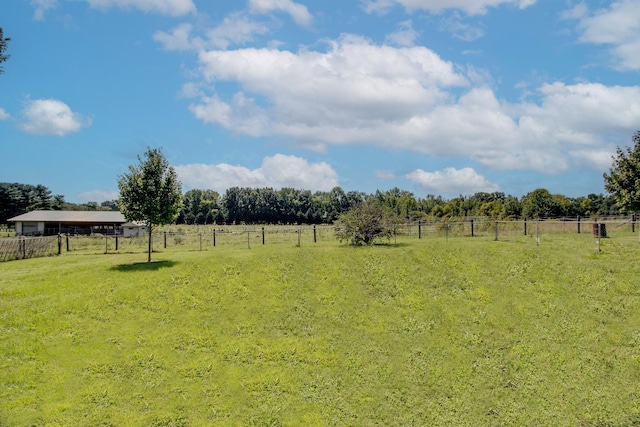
(426,332)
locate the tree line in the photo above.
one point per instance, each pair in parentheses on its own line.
(293,206)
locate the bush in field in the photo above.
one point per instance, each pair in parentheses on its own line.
(363,223)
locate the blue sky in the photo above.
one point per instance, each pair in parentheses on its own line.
(442,97)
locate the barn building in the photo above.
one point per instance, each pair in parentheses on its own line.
(47,223)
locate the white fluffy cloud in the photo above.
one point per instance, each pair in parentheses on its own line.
(51,117)
(410,99)
(4,115)
(277,171)
(617,27)
(452,181)
(471,7)
(235,29)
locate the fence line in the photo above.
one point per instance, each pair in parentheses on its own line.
(213,237)
(26,247)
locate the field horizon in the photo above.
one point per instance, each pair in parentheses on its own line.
(423,332)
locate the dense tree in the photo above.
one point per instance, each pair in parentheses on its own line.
(364,223)
(3,48)
(200,207)
(16,199)
(542,204)
(623,179)
(150,192)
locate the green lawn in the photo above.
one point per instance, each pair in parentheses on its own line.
(427,332)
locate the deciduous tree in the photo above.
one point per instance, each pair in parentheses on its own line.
(623,179)
(150,192)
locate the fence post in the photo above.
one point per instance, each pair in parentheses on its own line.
(263,235)
(472,229)
(299,233)
(633,223)
(165,240)
(496,239)
(24,248)
(579,224)
(419,229)
(67,243)
(116,242)
(214,237)
(525,226)
(59,244)
(315,240)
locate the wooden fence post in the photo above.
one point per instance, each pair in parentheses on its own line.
(579,224)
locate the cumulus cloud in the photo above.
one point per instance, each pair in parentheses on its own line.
(298,12)
(470,7)
(408,98)
(276,171)
(617,26)
(4,115)
(452,181)
(51,117)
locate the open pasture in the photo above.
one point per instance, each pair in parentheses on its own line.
(464,331)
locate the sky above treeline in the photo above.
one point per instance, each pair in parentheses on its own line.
(443,97)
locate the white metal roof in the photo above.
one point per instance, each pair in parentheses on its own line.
(93,217)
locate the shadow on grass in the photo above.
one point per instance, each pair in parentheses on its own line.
(144,266)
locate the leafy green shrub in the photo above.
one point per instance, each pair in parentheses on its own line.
(363,223)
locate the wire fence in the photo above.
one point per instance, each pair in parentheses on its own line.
(212,237)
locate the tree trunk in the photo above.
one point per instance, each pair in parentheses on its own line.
(149,257)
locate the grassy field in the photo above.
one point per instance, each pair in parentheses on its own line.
(426,332)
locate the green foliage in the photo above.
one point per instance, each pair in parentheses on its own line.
(150,192)
(3,47)
(364,223)
(623,180)
(16,199)
(542,204)
(200,207)
(470,333)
